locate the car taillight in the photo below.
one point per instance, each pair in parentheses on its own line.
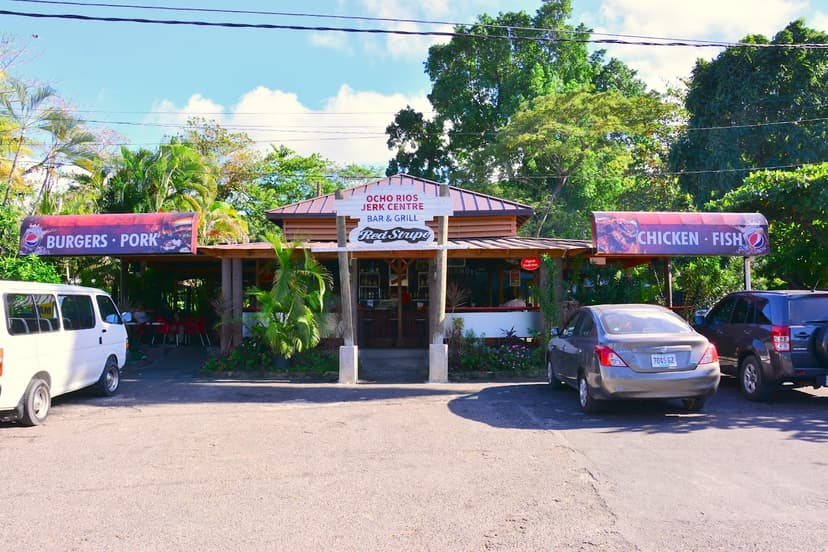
(710,356)
(781,336)
(1,361)
(608,357)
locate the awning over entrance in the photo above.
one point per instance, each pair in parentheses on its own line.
(480,248)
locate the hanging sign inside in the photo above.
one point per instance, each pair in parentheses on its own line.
(530,263)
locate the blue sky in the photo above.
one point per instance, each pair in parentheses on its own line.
(325,92)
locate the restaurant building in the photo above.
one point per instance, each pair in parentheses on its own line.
(393,253)
(409,257)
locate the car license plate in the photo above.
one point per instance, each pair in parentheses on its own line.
(664,361)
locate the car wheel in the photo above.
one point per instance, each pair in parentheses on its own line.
(751,380)
(551,378)
(589,404)
(693,404)
(110,379)
(36,403)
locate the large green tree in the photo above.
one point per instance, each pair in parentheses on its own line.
(481,78)
(796,206)
(752,108)
(569,153)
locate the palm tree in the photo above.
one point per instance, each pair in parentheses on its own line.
(292,309)
(70,144)
(24,107)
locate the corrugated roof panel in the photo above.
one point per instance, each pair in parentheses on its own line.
(466,202)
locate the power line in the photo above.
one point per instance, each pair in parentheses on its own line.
(449,34)
(382,19)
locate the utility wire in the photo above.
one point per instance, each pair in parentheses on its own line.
(364,18)
(450,34)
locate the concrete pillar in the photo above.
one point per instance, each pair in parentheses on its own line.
(438,363)
(348,364)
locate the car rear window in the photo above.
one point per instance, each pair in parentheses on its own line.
(643,322)
(808,308)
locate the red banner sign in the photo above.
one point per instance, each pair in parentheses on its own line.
(668,234)
(110,234)
(530,263)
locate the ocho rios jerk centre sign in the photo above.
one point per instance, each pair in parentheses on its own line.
(111,234)
(680,234)
(392,216)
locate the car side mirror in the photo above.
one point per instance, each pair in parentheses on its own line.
(554,332)
(698,317)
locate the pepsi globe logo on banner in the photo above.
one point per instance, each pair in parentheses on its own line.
(757,240)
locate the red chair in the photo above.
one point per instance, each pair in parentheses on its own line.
(196,326)
(166,328)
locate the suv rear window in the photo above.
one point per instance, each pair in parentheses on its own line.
(809,308)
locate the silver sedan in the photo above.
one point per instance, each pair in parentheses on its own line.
(632,351)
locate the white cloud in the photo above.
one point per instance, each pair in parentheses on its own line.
(408,47)
(332,40)
(171,117)
(350,128)
(819,21)
(715,20)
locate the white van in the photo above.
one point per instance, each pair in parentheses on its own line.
(55,339)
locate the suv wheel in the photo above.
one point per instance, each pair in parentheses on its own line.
(751,380)
(821,343)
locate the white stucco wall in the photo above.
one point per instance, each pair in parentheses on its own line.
(496,324)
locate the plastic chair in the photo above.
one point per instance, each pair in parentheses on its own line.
(166,328)
(196,326)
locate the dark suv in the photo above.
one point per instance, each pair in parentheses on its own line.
(770,339)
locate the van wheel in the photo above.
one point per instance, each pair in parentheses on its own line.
(751,380)
(589,404)
(36,403)
(110,379)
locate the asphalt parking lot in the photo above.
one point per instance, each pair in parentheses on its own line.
(175,462)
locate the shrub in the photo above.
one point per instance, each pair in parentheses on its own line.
(255,355)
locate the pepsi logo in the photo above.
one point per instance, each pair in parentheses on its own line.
(32,236)
(757,239)
(31,239)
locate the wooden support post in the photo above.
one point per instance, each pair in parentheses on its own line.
(225,341)
(237,303)
(344,278)
(438,351)
(348,353)
(559,292)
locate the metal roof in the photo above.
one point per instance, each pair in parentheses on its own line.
(466,202)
